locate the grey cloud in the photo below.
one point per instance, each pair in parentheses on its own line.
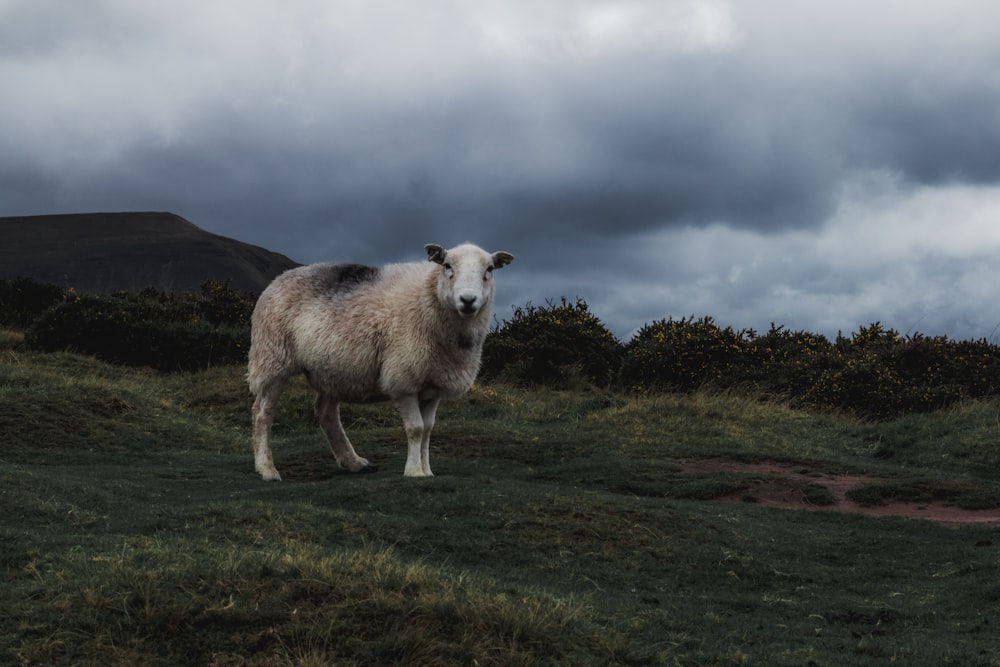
(554,133)
(932,133)
(29,29)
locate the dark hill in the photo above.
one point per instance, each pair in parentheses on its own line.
(103,252)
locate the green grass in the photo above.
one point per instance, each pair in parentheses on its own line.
(560,529)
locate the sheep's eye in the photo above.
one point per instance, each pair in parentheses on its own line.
(447,266)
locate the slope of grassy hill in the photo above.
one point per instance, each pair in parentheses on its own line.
(562,528)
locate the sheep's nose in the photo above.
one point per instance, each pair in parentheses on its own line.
(467,304)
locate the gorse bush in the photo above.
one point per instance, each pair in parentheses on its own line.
(882,374)
(865,377)
(221,305)
(682,355)
(22,300)
(785,364)
(150,328)
(557,344)
(865,384)
(876,373)
(973,365)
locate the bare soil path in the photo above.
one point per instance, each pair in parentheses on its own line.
(781,485)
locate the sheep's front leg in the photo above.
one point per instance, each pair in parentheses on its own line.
(328,414)
(418,420)
(428,411)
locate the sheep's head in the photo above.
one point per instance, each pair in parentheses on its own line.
(465,281)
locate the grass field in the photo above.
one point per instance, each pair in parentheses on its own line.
(562,528)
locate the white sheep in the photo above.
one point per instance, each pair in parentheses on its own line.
(410,333)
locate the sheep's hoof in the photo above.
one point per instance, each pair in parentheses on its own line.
(368,467)
(270,476)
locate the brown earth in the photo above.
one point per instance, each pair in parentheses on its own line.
(781,485)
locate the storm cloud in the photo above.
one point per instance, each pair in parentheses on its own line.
(761,161)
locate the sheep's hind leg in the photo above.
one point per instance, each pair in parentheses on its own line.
(328,414)
(263,414)
(418,420)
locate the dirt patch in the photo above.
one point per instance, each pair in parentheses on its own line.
(794,486)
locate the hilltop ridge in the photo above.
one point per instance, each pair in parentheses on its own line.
(104,252)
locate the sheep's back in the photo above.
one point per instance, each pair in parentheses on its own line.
(363,333)
(337,318)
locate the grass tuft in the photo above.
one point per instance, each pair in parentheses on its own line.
(10,340)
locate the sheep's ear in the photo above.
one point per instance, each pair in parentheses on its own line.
(501,259)
(435,253)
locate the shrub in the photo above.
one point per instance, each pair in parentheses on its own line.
(974,365)
(22,300)
(872,338)
(926,366)
(151,328)
(683,355)
(878,374)
(552,345)
(221,305)
(875,374)
(865,384)
(862,377)
(786,363)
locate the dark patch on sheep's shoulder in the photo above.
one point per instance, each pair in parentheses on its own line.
(348,276)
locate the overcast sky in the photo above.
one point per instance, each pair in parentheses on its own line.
(821,165)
